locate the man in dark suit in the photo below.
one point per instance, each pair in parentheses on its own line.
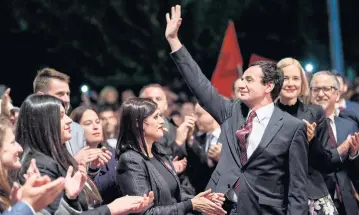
(325,92)
(203,152)
(263,166)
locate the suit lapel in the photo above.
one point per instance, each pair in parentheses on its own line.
(237,123)
(274,124)
(303,113)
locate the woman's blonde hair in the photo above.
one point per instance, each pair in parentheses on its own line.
(291,61)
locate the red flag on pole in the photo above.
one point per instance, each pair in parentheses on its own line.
(254,58)
(229,64)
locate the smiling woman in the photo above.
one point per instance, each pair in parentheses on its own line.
(10,151)
(320,159)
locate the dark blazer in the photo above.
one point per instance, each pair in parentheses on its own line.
(274,179)
(322,157)
(106,180)
(353,106)
(136,175)
(19,208)
(344,174)
(48,166)
(350,115)
(197,169)
(168,141)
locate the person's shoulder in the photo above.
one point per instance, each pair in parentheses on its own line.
(19,208)
(351,104)
(289,120)
(315,109)
(344,122)
(75,127)
(41,159)
(130,156)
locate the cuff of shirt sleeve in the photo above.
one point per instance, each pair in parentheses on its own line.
(188,205)
(93,172)
(352,158)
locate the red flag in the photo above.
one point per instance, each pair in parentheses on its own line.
(229,63)
(254,58)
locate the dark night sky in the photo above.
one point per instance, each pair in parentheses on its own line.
(273,29)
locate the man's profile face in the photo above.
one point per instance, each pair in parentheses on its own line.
(250,88)
(59,89)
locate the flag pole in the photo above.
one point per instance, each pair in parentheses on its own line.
(336,49)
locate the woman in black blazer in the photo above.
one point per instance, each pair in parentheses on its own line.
(42,129)
(322,157)
(143,165)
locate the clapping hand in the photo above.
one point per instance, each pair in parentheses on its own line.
(179,165)
(74,183)
(354,144)
(96,157)
(214,152)
(310,129)
(39,192)
(144,204)
(209,203)
(131,204)
(5,104)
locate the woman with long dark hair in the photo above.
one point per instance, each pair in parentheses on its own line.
(90,122)
(43,128)
(143,165)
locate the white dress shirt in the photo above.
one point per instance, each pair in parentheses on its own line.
(212,138)
(259,125)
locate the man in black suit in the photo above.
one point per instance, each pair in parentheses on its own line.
(325,92)
(263,166)
(203,152)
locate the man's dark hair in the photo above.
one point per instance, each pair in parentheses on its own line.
(271,73)
(43,77)
(106,107)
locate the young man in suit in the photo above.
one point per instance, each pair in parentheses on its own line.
(263,166)
(325,92)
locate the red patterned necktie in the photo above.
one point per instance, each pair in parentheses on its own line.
(334,144)
(242,135)
(332,140)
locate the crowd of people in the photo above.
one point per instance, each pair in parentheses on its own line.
(286,143)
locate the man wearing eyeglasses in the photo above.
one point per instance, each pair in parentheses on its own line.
(324,89)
